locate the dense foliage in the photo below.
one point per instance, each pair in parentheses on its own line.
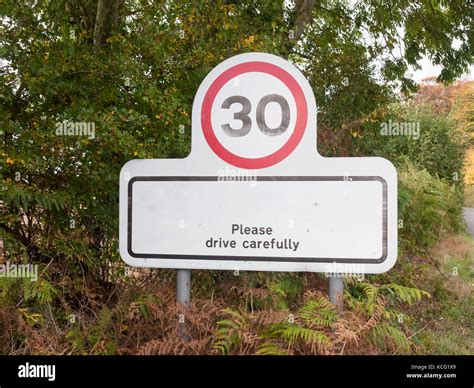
(131,69)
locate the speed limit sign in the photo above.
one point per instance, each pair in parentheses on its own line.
(254,103)
(254,194)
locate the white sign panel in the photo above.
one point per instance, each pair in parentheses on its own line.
(254,194)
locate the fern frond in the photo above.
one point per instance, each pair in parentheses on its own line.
(395,315)
(386,331)
(230,332)
(291,333)
(229,324)
(6,284)
(225,339)
(318,312)
(236,317)
(404,294)
(271,349)
(370,292)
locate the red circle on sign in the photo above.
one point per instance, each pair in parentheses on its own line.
(292,142)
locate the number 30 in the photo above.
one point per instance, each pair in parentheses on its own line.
(243,115)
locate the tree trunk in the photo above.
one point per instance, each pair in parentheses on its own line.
(301,16)
(106,22)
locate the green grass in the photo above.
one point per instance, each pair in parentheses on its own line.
(469,196)
(446,322)
(461,267)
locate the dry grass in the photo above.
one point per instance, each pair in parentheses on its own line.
(469,167)
(448,314)
(199,319)
(143,317)
(453,246)
(147,323)
(18,337)
(456,256)
(469,196)
(469,178)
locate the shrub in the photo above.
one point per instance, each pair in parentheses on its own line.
(439,149)
(428,208)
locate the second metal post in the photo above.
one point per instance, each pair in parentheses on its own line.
(183,296)
(336,291)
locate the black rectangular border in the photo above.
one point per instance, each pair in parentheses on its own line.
(261,258)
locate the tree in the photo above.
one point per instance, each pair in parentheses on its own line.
(441,97)
(131,68)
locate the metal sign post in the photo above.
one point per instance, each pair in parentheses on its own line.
(183,286)
(336,291)
(183,296)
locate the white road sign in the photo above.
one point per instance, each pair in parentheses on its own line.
(254,194)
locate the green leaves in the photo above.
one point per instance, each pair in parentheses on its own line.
(41,291)
(380,304)
(371,293)
(304,331)
(61,192)
(231,332)
(292,333)
(139,86)
(24,197)
(286,288)
(317,311)
(408,295)
(384,332)
(428,207)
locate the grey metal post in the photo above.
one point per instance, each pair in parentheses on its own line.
(183,295)
(336,291)
(183,286)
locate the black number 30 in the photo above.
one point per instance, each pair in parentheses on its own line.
(243,115)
